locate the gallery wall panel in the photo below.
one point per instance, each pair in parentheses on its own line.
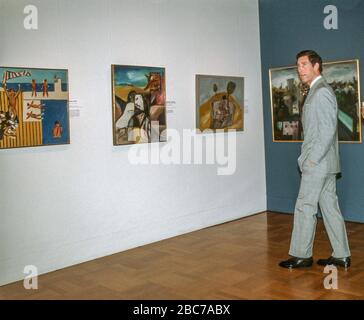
(65,204)
(286,28)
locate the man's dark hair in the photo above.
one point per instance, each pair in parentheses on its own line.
(312,56)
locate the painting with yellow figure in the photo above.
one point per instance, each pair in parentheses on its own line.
(219,103)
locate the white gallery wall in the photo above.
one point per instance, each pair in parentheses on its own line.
(62,205)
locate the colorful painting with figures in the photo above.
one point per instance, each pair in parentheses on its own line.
(288,96)
(33,107)
(219,103)
(139,104)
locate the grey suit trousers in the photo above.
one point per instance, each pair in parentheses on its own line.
(317,188)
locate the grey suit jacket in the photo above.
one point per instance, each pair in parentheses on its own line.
(319,120)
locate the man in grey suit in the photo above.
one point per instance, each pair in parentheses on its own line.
(319,164)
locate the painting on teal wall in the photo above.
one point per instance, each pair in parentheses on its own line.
(288,95)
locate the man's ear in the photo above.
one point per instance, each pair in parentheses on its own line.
(316,67)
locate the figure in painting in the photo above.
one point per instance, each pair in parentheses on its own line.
(12,100)
(45,88)
(35,106)
(221,114)
(156,95)
(34,88)
(57,130)
(33,116)
(7,126)
(223,110)
(135,116)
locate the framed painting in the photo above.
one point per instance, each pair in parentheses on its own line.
(139,104)
(219,103)
(33,107)
(288,95)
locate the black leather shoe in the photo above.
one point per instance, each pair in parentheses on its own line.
(342,262)
(295,262)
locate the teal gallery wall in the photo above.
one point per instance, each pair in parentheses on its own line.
(287,27)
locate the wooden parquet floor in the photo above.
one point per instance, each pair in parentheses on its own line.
(235,260)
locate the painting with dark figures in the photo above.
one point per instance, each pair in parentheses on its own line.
(288,97)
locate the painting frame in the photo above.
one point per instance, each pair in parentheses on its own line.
(286,115)
(37,113)
(208,117)
(121,99)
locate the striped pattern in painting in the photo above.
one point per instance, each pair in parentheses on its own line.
(28,134)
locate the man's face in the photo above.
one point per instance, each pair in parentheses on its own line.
(306,71)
